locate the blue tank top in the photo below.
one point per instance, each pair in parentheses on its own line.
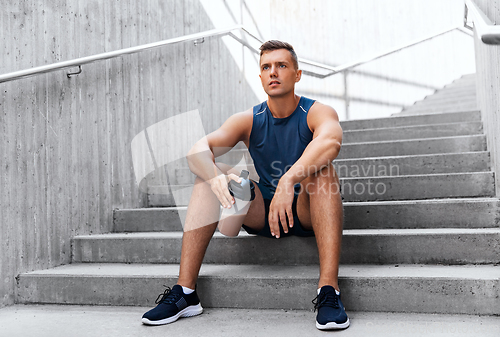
(277,143)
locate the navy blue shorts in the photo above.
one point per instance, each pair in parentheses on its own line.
(297,228)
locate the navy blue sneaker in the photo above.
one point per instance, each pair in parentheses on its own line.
(331,311)
(172,305)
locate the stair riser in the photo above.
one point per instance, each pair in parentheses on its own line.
(431,111)
(414,147)
(432,106)
(452,95)
(465,81)
(143,220)
(450,248)
(407,165)
(427,295)
(445,100)
(436,112)
(451,296)
(441,108)
(415,132)
(391,148)
(479,184)
(431,214)
(397,121)
(457,90)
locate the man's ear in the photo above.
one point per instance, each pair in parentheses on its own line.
(298,76)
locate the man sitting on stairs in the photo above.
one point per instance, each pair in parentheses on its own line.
(293,141)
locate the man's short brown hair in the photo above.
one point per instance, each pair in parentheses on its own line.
(275,45)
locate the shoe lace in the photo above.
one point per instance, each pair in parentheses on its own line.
(324,300)
(167,296)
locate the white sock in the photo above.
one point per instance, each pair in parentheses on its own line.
(336,291)
(187,290)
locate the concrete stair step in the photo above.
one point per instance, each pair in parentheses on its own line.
(413,132)
(398,121)
(457,89)
(464,80)
(471,85)
(431,108)
(366,246)
(413,187)
(45,321)
(402,288)
(382,166)
(411,112)
(452,95)
(388,148)
(458,104)
(457,92)
(415,164)
(432,99)
(437,213)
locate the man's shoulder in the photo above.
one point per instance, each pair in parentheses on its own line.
(323,109)
(241,119)
(320,113)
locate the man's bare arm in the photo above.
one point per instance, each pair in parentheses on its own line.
(323,149)
(201,157)
(320,152)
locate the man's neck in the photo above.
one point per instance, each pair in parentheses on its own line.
(282,107)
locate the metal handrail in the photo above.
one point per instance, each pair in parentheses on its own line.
(201,36)
(347,66)
(108,55)
(486,30)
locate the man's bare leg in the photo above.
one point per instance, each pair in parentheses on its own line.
(201,221)
(319,207)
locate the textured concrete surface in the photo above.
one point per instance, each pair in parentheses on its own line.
(389,148)
(390,165)
(84,321)
(400,288)
(412,132)
(452,117)
(149,219)
(411,187)
(359,246)
(414,147)
(439,213)
(448,107)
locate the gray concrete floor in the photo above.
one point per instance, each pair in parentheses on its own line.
(76,321)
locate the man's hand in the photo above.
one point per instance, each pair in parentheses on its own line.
(220,189)
(281,208)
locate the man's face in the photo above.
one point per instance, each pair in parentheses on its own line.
(277,72)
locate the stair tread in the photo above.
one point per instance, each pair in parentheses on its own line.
(415,126)
(416,139)
(153,188)
(352,203)
(472,272)
(401,120)
(347,232)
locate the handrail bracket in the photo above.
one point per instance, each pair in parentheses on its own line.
(75,73)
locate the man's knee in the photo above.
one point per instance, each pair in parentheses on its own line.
(323,182)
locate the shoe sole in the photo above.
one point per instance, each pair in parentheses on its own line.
(333,325)
(190,311)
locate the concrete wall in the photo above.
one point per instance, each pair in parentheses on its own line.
(488,86)
(65,144)
(338,31)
